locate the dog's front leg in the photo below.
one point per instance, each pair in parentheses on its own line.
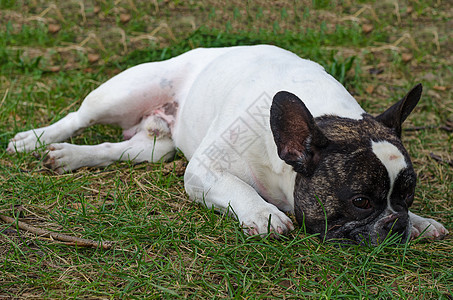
(228,193)
(426,227)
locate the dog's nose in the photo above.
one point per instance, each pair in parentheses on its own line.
(399,207)
(396,223)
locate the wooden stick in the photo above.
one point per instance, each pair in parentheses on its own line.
(72,240)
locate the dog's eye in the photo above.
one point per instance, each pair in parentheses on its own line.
(361,202)
(409,198)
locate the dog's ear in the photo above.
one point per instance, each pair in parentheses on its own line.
(398,112)
(299,140)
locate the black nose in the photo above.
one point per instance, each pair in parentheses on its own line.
(397,224)
(400,207)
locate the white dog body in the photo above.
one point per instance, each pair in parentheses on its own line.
(213,105)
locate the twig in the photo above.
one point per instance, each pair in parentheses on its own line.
(436,40)
(156,5)
(355,17)
(409,37)
(397,11)
(395,46)
(440,159)
(123,38)
(4,97)
(92,36)
(45,11)
(161,26)
(72,240)
(82,12)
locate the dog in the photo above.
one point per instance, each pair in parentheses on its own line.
(265,132)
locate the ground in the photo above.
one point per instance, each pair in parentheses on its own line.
(52,54)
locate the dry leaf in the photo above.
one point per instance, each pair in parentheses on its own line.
(406,57)
(53,28)
(92,57)
(54,68)
(124,18)
(369,89)
(367,28)
(440,88)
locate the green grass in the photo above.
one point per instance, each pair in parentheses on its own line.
(165,245)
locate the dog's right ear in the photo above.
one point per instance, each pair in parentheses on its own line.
(397,113)
(299,140)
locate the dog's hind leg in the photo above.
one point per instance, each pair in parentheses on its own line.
(123,101)
(126,99)
(152,143)
(64,157)
(33,139)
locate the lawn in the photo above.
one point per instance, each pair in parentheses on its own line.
(52,54)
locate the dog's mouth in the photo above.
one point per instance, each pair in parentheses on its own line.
(374,238)
(368,233)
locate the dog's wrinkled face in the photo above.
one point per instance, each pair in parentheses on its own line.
(364,180)
(354,176)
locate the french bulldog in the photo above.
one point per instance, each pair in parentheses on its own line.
(265,132)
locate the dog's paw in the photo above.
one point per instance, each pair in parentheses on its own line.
(266,219)
(427,228)
(26,141)
(61,158)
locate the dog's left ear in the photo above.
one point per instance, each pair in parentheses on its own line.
(398,112)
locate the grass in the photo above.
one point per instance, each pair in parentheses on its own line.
(165,245)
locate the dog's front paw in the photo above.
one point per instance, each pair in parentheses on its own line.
(266,219)
(427,228)
(62,158)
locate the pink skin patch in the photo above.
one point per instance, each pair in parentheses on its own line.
(166,113)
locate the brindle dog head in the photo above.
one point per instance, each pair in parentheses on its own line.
(355,180)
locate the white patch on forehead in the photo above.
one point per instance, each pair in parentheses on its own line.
(392,159)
